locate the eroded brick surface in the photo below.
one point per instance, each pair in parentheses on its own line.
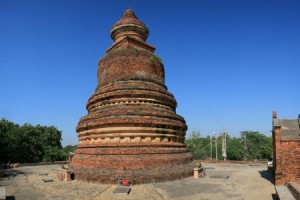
(131,129)
(286,150)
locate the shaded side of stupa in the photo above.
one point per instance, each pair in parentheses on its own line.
(132,130)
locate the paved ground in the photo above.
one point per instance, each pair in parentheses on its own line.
(245,182)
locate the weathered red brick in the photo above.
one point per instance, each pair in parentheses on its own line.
(132,130)
(286,150)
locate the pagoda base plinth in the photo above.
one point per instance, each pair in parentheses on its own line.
(140,168)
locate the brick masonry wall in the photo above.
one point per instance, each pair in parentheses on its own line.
(142,165)
(286,157)
(288,162)
(134,63)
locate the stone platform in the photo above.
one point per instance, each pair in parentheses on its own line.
(294,188)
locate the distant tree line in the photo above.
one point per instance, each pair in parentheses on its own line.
(252,145)
(31,144)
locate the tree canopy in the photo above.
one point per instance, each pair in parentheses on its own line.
(30,144)
(251,145)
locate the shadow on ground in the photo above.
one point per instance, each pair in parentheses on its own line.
(274,197)
(266,175)
(10,173)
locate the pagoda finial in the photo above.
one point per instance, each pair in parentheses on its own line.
(129,26)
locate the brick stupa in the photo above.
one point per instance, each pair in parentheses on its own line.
(132,130)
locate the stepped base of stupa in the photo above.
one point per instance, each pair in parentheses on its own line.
(141,165)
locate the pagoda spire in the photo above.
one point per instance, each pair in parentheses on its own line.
(130,29)
(129,26)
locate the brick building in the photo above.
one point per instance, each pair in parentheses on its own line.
(286,150)
(131,130)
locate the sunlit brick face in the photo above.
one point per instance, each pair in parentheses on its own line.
(131,130)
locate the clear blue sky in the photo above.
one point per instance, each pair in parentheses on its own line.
(229,63)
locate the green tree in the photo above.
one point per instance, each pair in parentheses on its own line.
(250,146)
(8,145)
(199,147)
(69,148)
(29,143)
(193,143)
(255,145)
(51,143)
(233,149)
(54,154)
